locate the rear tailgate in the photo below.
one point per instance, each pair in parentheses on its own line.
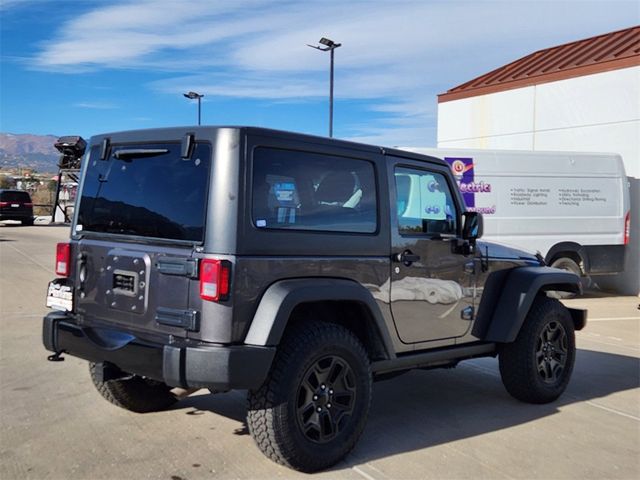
(141,216)
(143,287)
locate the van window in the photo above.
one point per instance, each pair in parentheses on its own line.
(160,195)
(308,191)
(424,203)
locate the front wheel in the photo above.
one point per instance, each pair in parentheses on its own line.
(313,406)
(536,368)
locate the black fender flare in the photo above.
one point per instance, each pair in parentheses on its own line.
(519,289)
(279,300)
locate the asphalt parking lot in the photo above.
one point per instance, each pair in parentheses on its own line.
(457,423)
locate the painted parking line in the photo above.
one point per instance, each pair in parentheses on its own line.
(590,337)
(30,258)
(494,373)
(612,319)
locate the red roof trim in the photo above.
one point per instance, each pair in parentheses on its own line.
(610,51)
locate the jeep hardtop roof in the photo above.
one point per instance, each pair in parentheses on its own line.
(206,131)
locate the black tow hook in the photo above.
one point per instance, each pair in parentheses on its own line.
(56,357)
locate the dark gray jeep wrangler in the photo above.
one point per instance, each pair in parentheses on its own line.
(298,268)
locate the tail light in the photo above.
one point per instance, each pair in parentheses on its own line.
(28,204)
(214,279)
(63,259)
(627,228)
(4,204)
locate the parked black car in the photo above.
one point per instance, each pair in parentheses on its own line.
(16,205)
(298,268)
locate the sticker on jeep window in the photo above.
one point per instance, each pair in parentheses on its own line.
(261,223)
(285,192)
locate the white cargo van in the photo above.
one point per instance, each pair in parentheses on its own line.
(571,207)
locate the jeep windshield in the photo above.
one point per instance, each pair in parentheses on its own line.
(147,191)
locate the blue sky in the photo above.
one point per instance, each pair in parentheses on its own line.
(86,67)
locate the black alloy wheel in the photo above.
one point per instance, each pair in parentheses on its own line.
(326,399)
(551,352)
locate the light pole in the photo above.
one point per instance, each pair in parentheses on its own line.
(329,46)
(193,96)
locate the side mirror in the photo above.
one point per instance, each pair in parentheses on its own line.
(472,225)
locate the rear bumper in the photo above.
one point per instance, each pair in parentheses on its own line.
(16,216)
(219,367)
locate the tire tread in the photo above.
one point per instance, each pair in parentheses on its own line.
(265,416)
(517,363)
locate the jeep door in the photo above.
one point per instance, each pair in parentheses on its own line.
(432,286)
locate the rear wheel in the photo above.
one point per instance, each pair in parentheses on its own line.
(313,406)
(27,222)
(134,393)
(536,368)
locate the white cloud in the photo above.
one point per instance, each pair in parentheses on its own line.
(398,54)
(10,4)
(96,105)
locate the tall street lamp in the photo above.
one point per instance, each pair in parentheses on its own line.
(193,96)
(329,46)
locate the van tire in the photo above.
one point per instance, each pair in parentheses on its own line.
(134,393)
(537,366)
(568,264)
(312,354)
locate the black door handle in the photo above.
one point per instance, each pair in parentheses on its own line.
(407,257)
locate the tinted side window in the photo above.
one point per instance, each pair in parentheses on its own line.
(308,191)
(424,203)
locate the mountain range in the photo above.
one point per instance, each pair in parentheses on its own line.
(26,150)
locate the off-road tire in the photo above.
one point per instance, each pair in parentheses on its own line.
(275,411)
(134,393)
(527,363)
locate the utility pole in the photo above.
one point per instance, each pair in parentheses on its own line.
(329,46)
(194,96)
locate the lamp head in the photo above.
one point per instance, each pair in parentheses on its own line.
(193,95)
(327,42)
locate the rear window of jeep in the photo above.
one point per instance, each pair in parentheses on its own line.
(309,191)
(146,191)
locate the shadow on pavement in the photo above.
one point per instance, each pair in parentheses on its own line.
(426,408)
(230,405)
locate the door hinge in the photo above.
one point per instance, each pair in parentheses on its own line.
(187,319)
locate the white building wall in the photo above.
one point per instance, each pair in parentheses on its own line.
(592,113)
